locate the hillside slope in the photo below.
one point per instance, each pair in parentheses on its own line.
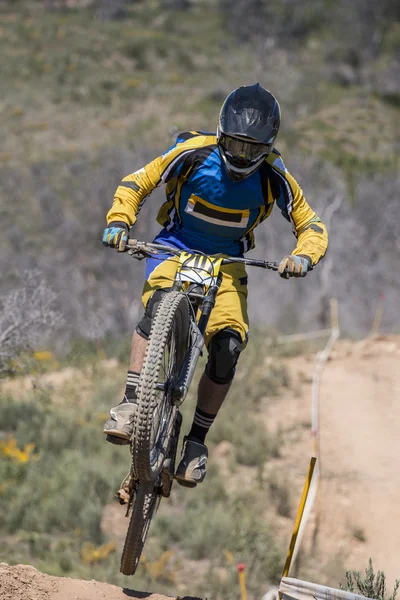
(88,100)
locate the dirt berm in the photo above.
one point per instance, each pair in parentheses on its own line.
(24,582)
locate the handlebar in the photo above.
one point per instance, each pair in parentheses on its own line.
(145,249)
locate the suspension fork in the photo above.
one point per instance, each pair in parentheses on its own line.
(197,343)
(208,304)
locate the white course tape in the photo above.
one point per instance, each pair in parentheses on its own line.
(295,589)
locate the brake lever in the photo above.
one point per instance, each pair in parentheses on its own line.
(138,254)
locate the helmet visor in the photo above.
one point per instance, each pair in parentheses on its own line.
(241,153)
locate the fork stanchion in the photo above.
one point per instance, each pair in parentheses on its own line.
(242,580)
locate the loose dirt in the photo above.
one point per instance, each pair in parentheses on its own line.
(23,582)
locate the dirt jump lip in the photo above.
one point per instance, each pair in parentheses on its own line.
(24,581)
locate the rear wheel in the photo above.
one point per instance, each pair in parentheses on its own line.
(154,419)
(145,505)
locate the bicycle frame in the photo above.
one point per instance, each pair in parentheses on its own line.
(197,330)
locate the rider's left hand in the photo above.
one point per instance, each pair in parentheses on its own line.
(294,266)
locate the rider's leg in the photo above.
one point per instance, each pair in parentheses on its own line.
(139,346)
(138,351)
(160,276)
(226,336)
(223,354)
(119,426)
(211,395)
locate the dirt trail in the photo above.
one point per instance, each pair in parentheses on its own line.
(359,499)
(360,445)
(359,493)
(26,583)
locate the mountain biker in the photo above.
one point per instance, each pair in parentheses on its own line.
(219,187)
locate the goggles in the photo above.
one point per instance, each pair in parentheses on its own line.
(241,153)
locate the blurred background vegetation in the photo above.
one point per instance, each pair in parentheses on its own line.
(91,91)
(58,479)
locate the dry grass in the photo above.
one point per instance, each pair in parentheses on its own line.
(355,133)
(74,81)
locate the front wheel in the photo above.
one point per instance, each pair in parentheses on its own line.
(145,505)
(154,420)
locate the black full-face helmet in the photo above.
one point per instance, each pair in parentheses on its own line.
(248,125)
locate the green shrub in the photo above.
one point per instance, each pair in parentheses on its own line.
(69,478)
(250,541)
(59,494)
(207,522)
(373,585)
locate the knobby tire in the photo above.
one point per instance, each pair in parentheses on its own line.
(168,343)
(154,419)
(144,505)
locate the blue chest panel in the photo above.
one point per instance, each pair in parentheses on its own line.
(216,212)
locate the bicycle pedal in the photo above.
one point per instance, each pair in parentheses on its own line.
(123,496)
(183,483)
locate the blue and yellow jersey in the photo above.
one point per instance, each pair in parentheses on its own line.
(207,211)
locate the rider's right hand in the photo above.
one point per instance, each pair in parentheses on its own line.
(116,235)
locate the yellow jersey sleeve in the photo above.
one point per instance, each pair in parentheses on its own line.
(136,187)
(311,233)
